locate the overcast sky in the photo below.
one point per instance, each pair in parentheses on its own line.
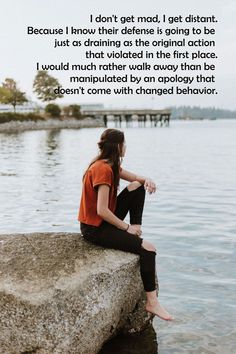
(20,52)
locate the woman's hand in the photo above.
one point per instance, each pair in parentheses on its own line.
(134,230)
(149,185)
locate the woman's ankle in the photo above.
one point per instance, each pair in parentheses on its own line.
(151,296)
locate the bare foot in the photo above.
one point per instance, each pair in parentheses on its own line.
(156,309)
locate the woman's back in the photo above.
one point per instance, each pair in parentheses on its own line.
(100,172)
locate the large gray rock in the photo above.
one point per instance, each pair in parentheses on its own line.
(61,294)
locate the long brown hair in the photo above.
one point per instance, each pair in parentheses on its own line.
(110,146)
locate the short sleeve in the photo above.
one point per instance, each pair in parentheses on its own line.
(102,175)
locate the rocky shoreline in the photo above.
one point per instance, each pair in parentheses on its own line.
(70,123)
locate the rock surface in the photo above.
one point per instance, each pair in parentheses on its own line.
(70,123)
(61,294)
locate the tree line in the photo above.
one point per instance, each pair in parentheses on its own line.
(43,87)
(196,112)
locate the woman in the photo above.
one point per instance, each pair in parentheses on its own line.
(102,212)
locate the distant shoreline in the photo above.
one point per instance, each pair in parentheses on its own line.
(49,124)
(15,126)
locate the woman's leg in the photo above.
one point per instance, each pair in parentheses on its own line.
(131,199)
(109,236)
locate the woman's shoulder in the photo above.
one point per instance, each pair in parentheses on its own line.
(103,163)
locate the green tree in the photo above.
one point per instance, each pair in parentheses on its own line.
(75,110)
(44,86)
(53,110)
(10,94)
(66,111)
(72,110)
(4,94)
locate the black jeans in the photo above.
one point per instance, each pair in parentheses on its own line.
(109,236)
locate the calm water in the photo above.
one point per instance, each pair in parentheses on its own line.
(191,218)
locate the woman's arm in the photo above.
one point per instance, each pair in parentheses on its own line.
(104,211)
(130,176)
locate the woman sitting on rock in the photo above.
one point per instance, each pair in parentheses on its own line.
(102,211)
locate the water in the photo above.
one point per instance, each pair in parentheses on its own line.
(191,218)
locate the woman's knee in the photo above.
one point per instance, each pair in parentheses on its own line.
(134,185)
(148,246)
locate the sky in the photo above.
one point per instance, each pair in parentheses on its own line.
(20,52)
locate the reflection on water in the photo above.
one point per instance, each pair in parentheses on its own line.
(191,219)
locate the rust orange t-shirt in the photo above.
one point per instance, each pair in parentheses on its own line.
(100,172)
